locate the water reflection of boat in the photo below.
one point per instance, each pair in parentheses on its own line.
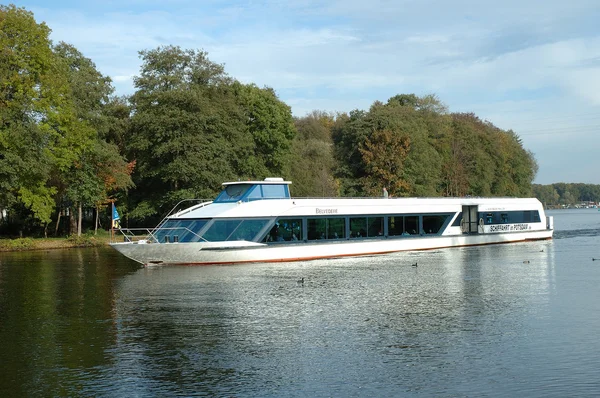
(258,221)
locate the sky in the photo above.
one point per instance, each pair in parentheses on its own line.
(532,66)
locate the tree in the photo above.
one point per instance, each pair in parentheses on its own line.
(312,156)
(384,154)
(348,133)
(194,127)
(422,122)
(428,152)
(96,167)
(471,164)
(409,125)
(515,167)
(187,132)
(269,121)
(546,194)
(35,113)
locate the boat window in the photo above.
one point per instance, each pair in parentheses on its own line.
(530,216)
(233,193)
(248,230)
(230,229)
(511,217)
(403,225)
(457,220)
(375,226)
(433,223)
(285,230)
(326,228)
(274,191)
(255,193)
(395,225)
(358,227)
(221,230)
(361,227)
(411,224)
(185,230)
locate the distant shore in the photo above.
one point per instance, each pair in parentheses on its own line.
(30,244)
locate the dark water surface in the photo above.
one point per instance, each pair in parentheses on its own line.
(503,320)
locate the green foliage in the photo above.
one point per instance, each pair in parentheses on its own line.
(564,194)
(402,132)
(183,128)
(90,168)
(270,123)
(33,111)
(194,127)
(189,127)
(51,101)
(311,168)
(414,147)
(116,113)
(348,134)
(384,154)
(17,244)
(85,240)
(39,200)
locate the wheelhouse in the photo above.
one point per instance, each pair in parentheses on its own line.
(270,188)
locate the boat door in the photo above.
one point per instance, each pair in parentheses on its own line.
(469,221)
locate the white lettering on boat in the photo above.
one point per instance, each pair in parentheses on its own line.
(509,227)
(326,211)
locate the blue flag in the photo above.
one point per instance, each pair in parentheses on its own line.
(116,223)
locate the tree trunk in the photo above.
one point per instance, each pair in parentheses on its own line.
(72,222)
(79,211)
(57,223)
(96,221)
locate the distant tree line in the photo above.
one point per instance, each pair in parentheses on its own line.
(69,147)
(566,194)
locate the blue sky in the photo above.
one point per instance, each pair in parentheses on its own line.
(530,66)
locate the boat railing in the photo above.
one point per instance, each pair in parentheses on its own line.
(177,210)
(137,234)
(203,202)
(149,235)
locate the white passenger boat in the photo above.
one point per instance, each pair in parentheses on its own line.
(258,221)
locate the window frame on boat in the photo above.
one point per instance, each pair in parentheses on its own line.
(180,230)
(246,192)
(285,229)
(295,229)
(235,229)
(510,217)
(504,217)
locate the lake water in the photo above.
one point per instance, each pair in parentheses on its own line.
(503,320)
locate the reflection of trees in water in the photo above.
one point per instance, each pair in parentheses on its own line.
(57,312)
(93,321)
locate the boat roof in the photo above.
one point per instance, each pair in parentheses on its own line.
(266,181)
(355,206)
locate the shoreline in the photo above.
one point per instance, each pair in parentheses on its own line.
(33,244)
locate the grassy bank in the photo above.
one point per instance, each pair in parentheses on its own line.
(86,240)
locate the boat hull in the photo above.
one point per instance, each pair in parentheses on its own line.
(201,253)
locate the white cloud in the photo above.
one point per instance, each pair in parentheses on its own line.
(424,39)
(585,83)
(515,63)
